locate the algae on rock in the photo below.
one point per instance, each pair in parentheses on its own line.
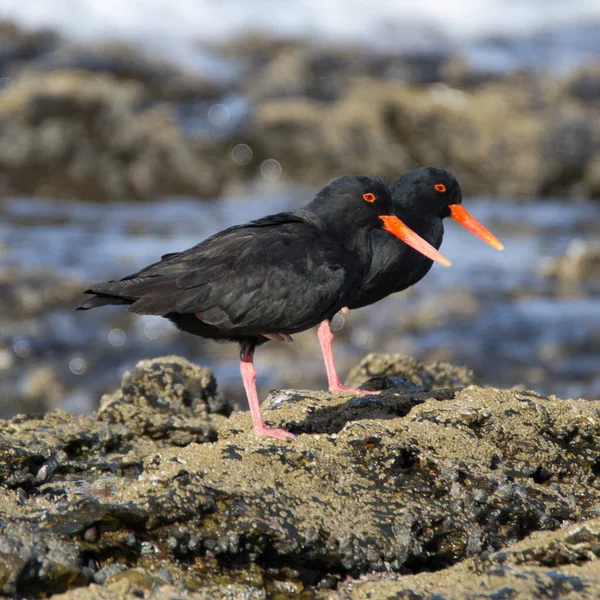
(142,500)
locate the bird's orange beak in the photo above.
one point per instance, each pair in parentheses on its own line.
(458,213)
(396,227)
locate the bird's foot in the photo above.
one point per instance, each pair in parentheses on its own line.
(338,387)
(279,434)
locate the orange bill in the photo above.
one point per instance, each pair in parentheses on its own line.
(458,213)
(396,227)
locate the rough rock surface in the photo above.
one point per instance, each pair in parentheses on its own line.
(561,564)
(167,398)
(400,368)
(119,505)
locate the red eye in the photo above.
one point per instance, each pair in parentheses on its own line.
(439,187)
(369,197)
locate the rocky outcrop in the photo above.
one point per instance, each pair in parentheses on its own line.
(389,370)
(166,399)
(515,137)
(106,122)
(99,122)
(138,500)
(559,564)
(73,133)
(577,271)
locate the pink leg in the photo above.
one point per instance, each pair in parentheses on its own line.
(326,339)
(249,378)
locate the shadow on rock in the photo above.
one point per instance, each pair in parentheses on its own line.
(331,412)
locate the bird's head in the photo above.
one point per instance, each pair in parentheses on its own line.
(360,201)
(435,193)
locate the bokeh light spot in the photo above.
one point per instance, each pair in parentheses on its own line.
(270,169)
(241,154)
(22,348)
(219,115)
(117,337)
(78,366)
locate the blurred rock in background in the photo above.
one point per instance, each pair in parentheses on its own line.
(104,121)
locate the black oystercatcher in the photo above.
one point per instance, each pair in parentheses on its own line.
(422,199)
(269,278)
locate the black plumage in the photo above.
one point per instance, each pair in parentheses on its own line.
(266,279)
(422,199)
(280,274)
(395,266)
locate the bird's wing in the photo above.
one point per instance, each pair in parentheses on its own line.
(270,275)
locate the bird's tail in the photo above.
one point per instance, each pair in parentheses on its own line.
(144,295)
(102,294)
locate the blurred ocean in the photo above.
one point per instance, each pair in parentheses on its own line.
(493,34)
(492,311)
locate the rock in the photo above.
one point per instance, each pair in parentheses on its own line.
(409,480)
(445,306)
(105,122)
(79,134)
(20,463)
(33,565)
(7,359)
(566,147)
(161,79)
(584,84)
(430,376)
(42,387)
(558,564)
(166,397)
(133,585)
(18,45)
(325,73)
(164,400)
(577,270)
(386,127)
(28,442)
(592,176)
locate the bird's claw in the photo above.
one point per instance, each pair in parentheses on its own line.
(279,434)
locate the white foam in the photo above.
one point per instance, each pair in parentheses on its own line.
(372,21)
(173,28)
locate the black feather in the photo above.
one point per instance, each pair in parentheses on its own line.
(280,274)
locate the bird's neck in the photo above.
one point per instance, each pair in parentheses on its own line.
(359,255)
(429,227)
(356,242)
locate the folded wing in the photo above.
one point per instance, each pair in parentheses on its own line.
(250,278)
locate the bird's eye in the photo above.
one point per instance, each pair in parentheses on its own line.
(369,197)
(439,187)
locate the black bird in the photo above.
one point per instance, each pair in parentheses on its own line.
(269,278)
(422,199)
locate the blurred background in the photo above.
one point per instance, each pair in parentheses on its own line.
(132,128)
